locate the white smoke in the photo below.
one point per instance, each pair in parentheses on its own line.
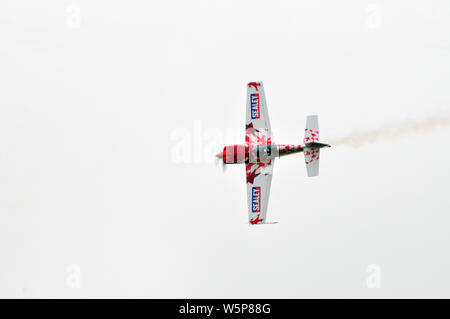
(392,131)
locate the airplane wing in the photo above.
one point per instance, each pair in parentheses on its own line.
(257,124)
(256,112)
(258,169)
(259,179)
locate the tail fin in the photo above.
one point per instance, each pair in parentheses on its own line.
(312,145)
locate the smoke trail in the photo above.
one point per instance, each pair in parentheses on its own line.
(391,131)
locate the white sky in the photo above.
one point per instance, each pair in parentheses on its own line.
(92,191)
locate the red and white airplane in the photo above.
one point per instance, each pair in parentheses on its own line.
(259,152)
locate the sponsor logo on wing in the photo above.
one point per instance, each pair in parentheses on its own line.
(254,105)
(256,199)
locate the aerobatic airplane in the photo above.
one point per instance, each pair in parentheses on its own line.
(259,152)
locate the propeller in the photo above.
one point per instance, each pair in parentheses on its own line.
(219,159)
(224,167)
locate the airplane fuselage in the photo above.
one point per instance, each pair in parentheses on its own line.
(245,154)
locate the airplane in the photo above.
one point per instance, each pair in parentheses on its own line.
(259,152)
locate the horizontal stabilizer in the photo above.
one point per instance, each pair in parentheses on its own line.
(312,129)
(312,145)
(312,161)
